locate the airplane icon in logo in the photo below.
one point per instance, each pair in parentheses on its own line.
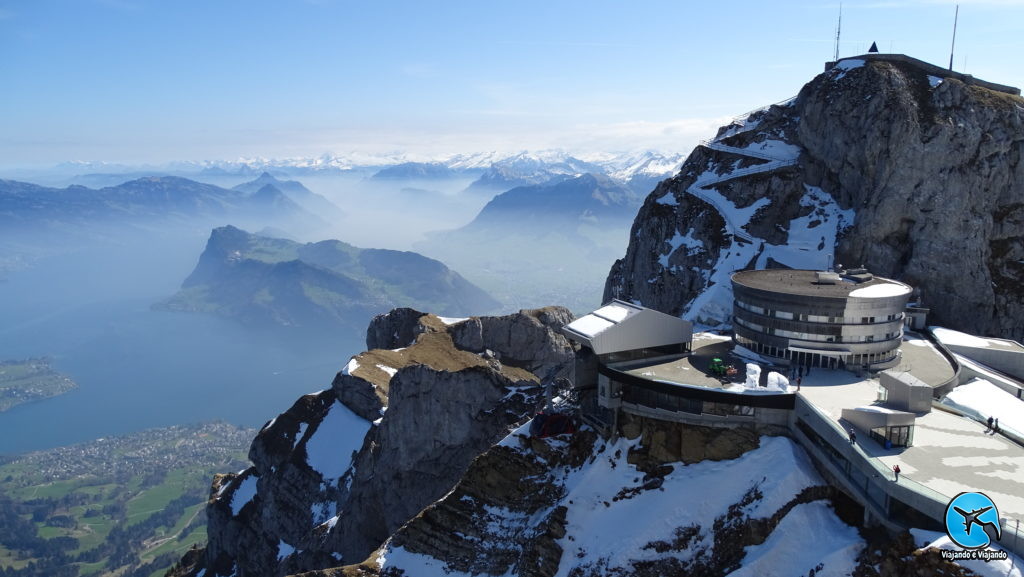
(991,529)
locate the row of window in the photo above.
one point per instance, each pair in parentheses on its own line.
(809,318)
(816,337)
(813,359)
(656,400)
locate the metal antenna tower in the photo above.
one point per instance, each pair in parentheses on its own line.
(956,16)
(839,27)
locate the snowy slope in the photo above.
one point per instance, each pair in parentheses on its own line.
(810,241)
(981,399)
(1011,567)
(614,526)
(618,535)
(330,448)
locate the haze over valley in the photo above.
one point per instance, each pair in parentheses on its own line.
(319,289)
(98,273)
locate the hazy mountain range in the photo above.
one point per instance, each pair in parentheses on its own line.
(547,242)
(495,169)
(157,197)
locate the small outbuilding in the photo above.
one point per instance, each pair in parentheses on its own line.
(887,427)
(905,392)
(622,331)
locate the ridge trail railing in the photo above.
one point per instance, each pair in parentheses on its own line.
(696,189)
(714,145)
(741,120)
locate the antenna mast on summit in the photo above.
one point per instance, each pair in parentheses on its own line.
(956,16)
(839,26)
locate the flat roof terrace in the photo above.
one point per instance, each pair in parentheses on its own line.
(692,369)
(950,454)
(805,283)
(919,357)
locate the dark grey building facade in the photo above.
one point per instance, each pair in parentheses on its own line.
(849,319)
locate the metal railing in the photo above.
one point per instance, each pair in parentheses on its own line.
(715,145)
(870,467)
(696,189)
(741,120)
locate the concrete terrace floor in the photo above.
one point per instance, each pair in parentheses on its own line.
(693,368)
(951,454)
(921,359)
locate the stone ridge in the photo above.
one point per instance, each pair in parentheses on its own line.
(934,172)
(443,405)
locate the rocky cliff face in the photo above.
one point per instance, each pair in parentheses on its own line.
(579,506)
(663,499)
(403,478)
(342,469)
(919,178)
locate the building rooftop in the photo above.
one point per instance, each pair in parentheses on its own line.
(806,282)
(692,369)
(919,357)
(622,326)
(950,454)
(950,337)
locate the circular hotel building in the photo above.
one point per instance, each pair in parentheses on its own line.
(848,319)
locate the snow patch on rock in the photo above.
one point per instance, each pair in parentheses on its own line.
(613,532)
(836,546)
(691,244)
(330,448)
(811,238)
(841,68)
(243,494)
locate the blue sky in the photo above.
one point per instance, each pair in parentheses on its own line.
(158,80)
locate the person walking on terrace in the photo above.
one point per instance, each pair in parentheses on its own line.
(896,471)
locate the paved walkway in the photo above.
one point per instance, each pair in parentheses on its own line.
(921,359)
(693,368)
(951,454)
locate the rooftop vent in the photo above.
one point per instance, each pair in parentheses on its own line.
(828,277)
(857,275)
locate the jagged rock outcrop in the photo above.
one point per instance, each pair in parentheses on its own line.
(257,515)
(919,178)
(521,340)
(664,442)
(339,472)
(399,328)
(576,506)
